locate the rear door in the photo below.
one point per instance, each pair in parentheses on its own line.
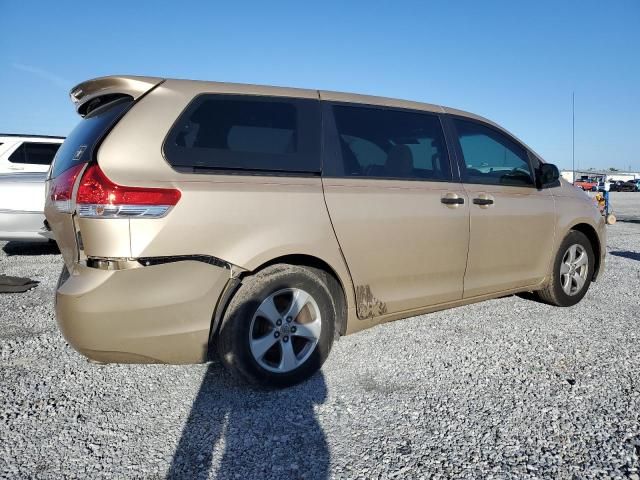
(512,222)
(400,216)
(69,163)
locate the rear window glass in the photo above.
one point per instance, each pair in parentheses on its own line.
(386,143)
(18,155)
(230,132)
(33,153)
(79,145)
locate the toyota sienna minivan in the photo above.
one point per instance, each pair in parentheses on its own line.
(263,222)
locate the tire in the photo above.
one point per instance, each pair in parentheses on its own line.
(563,290)
(250,325)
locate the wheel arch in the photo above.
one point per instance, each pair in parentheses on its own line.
(336,285)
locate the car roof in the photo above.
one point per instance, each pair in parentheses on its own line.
(29,137)
(202,86)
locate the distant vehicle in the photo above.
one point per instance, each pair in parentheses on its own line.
(586,184)
(628,186)
(27,153)
(615,185)
(22,207)
(636,184)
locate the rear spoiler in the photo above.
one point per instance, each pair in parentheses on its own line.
(129,85)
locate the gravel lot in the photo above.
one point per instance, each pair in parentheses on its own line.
(508,388)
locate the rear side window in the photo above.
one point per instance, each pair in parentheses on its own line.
(32,153)
(18,155)
(491,157)
(79,145)
(246,133)
(387,143)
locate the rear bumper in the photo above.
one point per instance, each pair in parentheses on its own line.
(154,314)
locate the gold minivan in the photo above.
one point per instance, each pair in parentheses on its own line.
(262,222)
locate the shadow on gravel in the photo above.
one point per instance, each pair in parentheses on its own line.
(627,254)
(31,248)
(264,434)
(628,220)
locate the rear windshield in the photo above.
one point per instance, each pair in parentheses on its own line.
(79,145)
(246,133)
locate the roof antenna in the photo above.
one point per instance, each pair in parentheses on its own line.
(573,134)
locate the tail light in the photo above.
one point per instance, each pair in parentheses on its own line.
(99,197)
(61,190)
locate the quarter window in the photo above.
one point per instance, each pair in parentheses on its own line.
(226,132)
(491,157)
(387,143)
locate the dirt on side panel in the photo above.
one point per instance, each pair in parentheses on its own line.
(368,306)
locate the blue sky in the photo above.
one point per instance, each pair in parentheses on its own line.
(513,62)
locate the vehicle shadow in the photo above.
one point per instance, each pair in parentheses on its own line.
(628,219)
(235,431)
(15,247)
(627,254)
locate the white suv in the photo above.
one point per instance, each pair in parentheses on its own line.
(22,153)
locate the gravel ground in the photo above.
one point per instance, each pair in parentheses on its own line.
(507,388)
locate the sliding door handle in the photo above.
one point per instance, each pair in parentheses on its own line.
(483,201)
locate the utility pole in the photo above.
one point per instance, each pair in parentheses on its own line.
(573,134)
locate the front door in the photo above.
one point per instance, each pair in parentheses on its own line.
(400,219)
(512,222)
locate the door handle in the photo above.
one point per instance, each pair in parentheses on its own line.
(483,201)
(452,200)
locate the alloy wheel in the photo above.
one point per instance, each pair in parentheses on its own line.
(285,330)
(574,269)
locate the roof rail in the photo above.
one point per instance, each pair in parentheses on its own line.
(30,135)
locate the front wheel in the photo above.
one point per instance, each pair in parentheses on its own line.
(279,327)
(572,271)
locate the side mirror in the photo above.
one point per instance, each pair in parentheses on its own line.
(548,175)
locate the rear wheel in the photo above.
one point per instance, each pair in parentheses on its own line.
(279,327)
(572,272)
